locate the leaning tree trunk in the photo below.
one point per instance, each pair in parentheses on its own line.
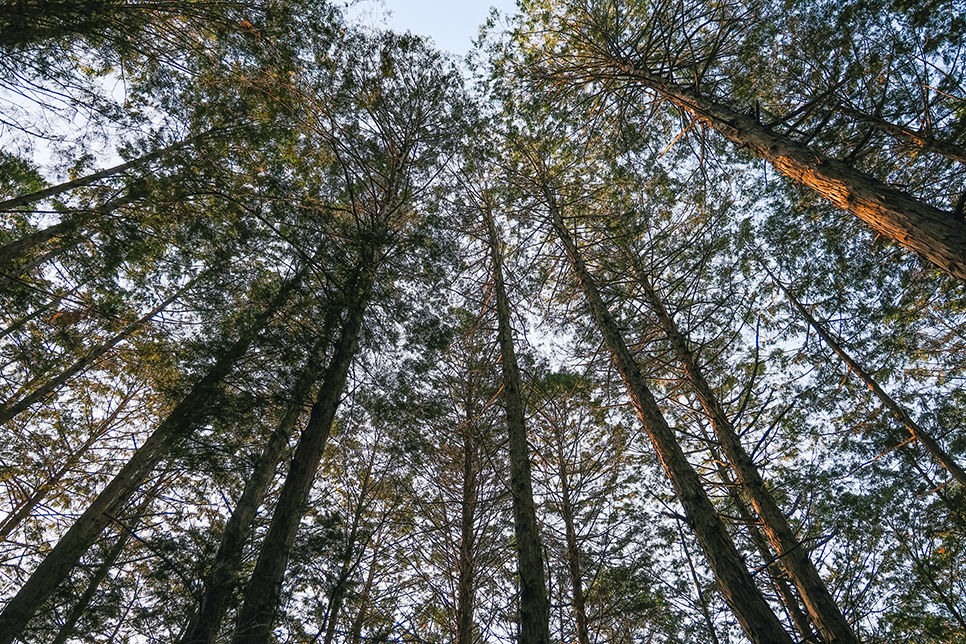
(924,229)
(737,586)
(255,619)
(222,577)
(187,415)
(12,408)
(794,557)
(534,602)
(917,431)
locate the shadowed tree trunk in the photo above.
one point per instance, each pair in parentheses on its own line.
(187,416)
(257,615)
(794,557)
(534,602)
(222,578)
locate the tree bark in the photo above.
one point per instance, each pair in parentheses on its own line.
(534,602)
(933,233)
(189,414)
(257,615)
(466,583)
(818,600)
(222,578)
(737,586)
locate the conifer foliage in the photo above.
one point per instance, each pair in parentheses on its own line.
(311,333)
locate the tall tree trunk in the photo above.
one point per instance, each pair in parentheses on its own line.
(255,619)
(53,191)
(920,434)
(466,583)
(737,586)
(573,551)
(534,602)
(355,631)
(933,233)
(921,140)
(12,408)
(18,515)
(187,415)
(794,557)
(222,578)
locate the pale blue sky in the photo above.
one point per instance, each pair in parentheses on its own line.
(451,25)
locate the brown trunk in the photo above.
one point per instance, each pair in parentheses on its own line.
(737,586)
(573,552)
(222,578)
(761,544)
(926,142)
(189,414)
(920,434)
(9,411)
(818,600)
(257,615)
(933,233)
(534,602)
(466,589)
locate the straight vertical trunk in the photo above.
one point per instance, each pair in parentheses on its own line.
(573,552)
(737,586)
(534,602)
(188,415)
(818,600)
(255,620)
(222,578)
(923,229)
(466,584)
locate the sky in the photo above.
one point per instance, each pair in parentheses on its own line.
(451,25)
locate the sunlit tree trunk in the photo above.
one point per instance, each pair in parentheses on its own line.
(794,557)
(737,586)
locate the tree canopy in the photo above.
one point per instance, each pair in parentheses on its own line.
(644,322)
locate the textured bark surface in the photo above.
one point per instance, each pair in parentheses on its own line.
(188,415)
(534,601)
(737,586)
(794,557)
(257,615)
(933,233)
